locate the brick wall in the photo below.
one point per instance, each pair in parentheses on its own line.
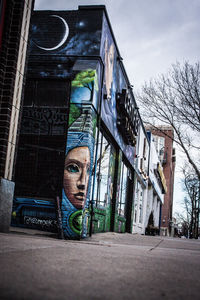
(10,53)
(168,169)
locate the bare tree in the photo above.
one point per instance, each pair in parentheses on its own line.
(191,201)
(189,217)
(183,223)
(174,99)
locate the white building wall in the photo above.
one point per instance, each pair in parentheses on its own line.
(148,192)
(145,208)
(155,196)
(140,197)
(157,213)
(139,206)
(149,205)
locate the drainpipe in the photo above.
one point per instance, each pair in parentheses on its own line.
(95,166)
(160,216)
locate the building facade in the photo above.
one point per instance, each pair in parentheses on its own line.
(79,125)
(14,31)
(150,186)
(84,159)
(163,139)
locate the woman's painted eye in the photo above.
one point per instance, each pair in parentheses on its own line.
(72,168)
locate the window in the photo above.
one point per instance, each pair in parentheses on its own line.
(123,190)
(160,146)
(104,172)
(138,203)
(144,148)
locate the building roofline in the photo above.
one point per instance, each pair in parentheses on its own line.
(86,7)
(159,127)
(103,7)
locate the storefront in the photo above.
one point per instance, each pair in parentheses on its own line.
(79,126)
(113,189)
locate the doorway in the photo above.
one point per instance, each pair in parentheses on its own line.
(125,201)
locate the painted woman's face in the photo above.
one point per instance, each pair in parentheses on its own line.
(76,176)
(109,68)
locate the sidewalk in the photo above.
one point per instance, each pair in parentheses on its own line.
(36,265)
(112,238)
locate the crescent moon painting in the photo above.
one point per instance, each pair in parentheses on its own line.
(65,36)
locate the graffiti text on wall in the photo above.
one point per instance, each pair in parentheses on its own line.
(43,120)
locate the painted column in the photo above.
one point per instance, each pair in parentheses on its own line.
(79,155)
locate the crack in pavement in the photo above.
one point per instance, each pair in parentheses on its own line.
(153,248)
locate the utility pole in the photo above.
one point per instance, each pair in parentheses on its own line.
(197,210)
(192,214)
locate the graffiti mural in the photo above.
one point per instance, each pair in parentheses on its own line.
(66,33)
(79,154)
(74,76)
(76,183)
(114,82)
(34,214)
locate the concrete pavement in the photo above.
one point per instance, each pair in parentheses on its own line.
(34,265)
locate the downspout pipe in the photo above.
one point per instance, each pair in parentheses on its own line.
(97,143)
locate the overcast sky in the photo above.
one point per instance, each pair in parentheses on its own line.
(150,34)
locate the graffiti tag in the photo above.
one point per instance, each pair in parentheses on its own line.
(41,222)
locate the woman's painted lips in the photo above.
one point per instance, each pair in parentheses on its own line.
(80,196)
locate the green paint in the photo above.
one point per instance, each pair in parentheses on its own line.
(74,113)
(94,125)
(101,220)
(85,78)
(75,221)
(120,224)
